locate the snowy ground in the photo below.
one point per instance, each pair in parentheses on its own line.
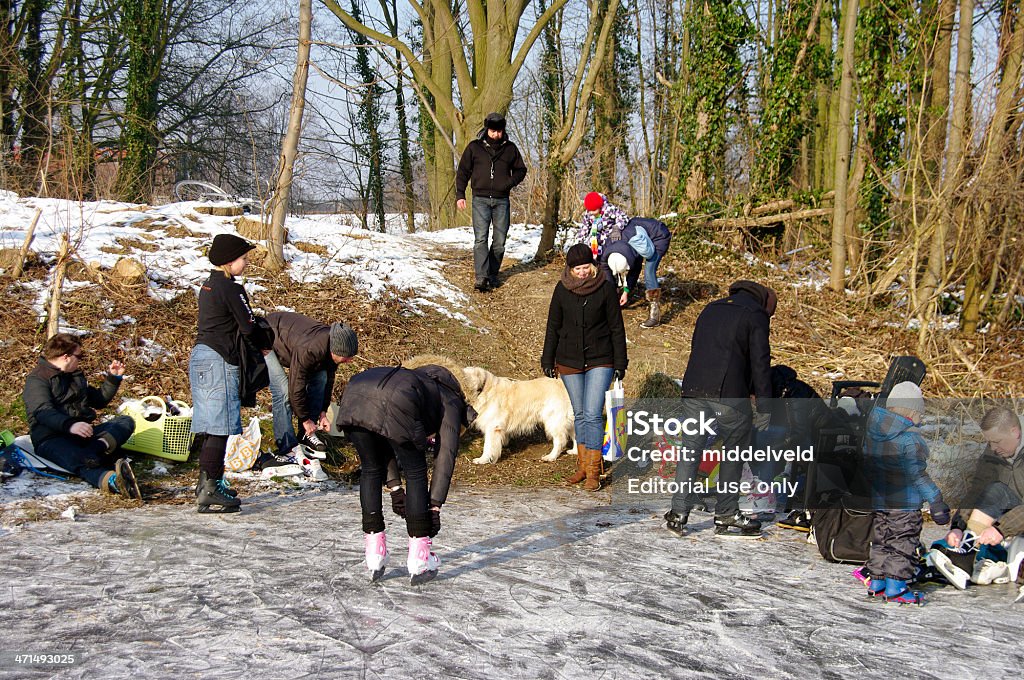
(534,584)
(175,262)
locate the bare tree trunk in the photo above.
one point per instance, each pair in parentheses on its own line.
(845,133)
(53,316)
(566,139)
(946,201)
(19,266)
(290,145)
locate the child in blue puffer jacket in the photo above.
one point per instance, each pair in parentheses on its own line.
(896,457)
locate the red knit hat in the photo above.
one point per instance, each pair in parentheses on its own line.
(593,201)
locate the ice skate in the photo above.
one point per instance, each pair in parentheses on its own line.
(422,563)
(676,522)
(315,447)
(737,525)
(798,520)
(124,472)
(376,545)
(952,565)
(213,497)
(226,487)
(897,591)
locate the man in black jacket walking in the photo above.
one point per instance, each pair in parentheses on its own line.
(493,165)
(730,361)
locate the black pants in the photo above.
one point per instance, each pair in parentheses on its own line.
(732,424)
(85,458)
(895,535)
(375,453)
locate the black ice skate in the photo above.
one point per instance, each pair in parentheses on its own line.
(737,525)
(213,498)
(676,522)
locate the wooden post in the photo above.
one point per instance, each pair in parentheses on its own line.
(53,318)
(19,266)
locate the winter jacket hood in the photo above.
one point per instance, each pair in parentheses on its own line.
(764,295)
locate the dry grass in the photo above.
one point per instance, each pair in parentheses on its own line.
(822,335)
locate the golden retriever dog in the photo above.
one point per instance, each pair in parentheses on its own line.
(507,408)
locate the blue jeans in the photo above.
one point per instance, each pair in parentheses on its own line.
(586,394)
(488,211)
(84,457)
(284,430)
(216,404)
(651,271)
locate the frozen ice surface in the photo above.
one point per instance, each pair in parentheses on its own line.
(533,584)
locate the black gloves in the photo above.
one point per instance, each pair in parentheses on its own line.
(398,501)
(618,374)
(550,372)
(435,521)
(940,511)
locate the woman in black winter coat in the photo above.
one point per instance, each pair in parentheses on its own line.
(585,344)
(388,413)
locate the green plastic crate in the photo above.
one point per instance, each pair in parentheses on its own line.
(166,437)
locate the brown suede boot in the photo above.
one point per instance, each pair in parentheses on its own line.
(581,470)
(654,318)
(595,467)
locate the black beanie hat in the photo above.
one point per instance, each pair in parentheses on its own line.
(228,248)
(494,121)
(579,254)
(344,342)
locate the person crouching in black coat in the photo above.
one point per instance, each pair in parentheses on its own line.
(388,413)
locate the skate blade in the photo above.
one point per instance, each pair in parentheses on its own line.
(737,535)
(376,575)
(793,527)
(218,509)
(425,577)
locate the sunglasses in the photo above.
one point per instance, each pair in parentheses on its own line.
(79,355)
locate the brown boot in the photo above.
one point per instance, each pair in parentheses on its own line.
(581,470)
(595,467)
(654,317)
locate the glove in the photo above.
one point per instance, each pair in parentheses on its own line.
(762,421)
(549,371)
(940,511)
(619,374)
(398,502)
(435,521)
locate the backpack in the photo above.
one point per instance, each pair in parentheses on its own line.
(842,533)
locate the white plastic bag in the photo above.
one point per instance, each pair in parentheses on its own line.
(243,449)
(614,444)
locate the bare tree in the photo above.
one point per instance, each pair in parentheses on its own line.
(290,146)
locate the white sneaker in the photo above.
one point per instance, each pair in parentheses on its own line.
(376,546)
(987,571)
(422,563)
